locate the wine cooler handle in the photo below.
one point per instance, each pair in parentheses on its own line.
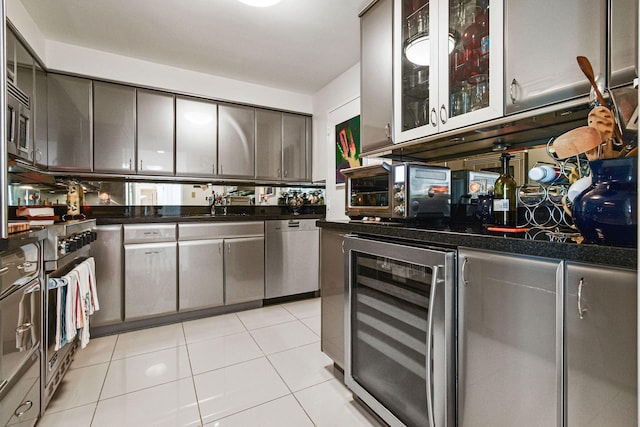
(581,311)
(434,117)
(464,271)
(443,114)
(387,130)
(432,305)
(512,90)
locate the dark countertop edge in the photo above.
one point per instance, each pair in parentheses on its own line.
(585,253)
(15,240)
(200,218)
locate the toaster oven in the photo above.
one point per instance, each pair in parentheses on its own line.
(399,191)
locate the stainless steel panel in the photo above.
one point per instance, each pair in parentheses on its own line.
(196,137)
(114,127)
(542,60)
(507,371)
(236,141)
(155,132)
(601,346)
(268,144)
(219,230)
(332,294)
(200,274)
(19,267)
(20,401)
(69,123)
(150,280)
(20,326)
(292,257)
(147,233)
(623,42)
(376,80)
(4,56)
(294,147)
(244,269)
(109,258)
(39,117)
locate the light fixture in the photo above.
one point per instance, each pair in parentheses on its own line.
(260,3)
(418,50)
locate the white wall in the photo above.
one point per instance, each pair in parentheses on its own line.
(344,91)
(102,65)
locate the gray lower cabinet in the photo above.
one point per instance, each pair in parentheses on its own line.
(244,269)
(507,340)
(332,285)
(69,123)
(196,137)
(200,274)
(114,127)
(236,141)
(155,132)
(601,346)
(108,254)
(150,270)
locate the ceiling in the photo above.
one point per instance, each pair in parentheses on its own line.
(296,45)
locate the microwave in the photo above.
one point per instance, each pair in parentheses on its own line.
(399,191)
(18,121)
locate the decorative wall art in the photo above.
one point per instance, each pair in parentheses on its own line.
(347,146)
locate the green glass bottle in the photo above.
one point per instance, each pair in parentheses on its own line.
(505,210)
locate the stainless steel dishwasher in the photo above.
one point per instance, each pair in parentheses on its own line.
(292,254)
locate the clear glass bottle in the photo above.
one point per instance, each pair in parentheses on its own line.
(504,198)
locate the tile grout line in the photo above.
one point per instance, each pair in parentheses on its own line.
(193,380)
(95,410)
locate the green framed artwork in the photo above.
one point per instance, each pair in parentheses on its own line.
(347,146)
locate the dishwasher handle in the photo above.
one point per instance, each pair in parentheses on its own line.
(293,224)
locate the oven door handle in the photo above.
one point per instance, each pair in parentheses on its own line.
(432,305)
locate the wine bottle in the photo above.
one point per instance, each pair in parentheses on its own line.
(504,197)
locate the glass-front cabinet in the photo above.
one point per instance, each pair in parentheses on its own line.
(448,57)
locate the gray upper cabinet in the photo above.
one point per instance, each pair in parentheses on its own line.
(25,80)
(114,127)
(155,130)
(542,40)
(623,42)
(236,141)
(40,118)
(376,75)
(268,144)
(601,346)
(196,137)
(69,123)
(294,147)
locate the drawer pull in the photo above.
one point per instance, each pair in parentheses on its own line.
(581,311)
(23,328)
(3,270)
(23,409)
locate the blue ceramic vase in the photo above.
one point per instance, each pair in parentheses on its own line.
(606,212)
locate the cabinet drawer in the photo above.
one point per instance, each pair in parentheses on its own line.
(147,233)
(21,403)
(219,230)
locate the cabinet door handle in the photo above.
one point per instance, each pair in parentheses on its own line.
(21,329)
(434,117)
(443,118)
(140,164)
(464,271)
(151,252)
(581,311)
(220,248)
(220,167)
(24,265)
(213,168)
(23,408)
(387,130)
(130,163)
(512,91)
(228,248)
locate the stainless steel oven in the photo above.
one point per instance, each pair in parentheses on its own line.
(399,330)
(20,334)
(67,245)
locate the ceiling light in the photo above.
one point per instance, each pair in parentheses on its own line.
(260,3)
(418,50)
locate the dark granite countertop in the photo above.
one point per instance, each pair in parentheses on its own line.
(15,240)
(199,217)
(468,236)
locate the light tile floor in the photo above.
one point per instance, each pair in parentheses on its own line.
(260,367)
